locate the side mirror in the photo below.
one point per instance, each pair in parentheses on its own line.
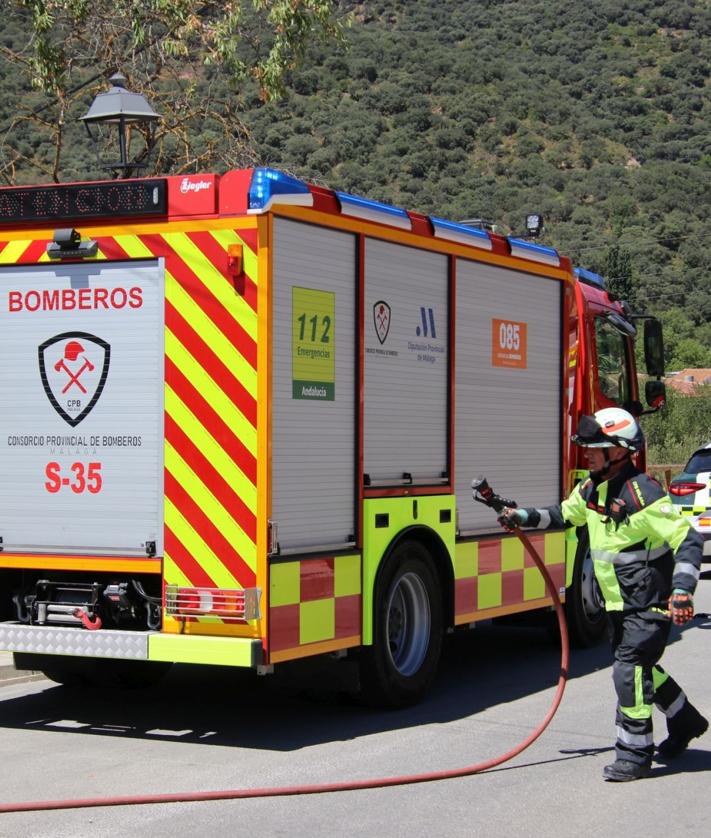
(653,348)
(655,392)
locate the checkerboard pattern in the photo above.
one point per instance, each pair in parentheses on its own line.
(314,606)
(498,575)
(693,510)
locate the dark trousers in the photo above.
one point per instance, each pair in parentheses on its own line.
(638,640)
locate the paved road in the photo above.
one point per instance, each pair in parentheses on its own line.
(207,729)
(9,675)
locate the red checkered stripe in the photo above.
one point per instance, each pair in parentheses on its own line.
(314,606)
(497,576)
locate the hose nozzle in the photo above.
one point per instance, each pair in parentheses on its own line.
(483,493)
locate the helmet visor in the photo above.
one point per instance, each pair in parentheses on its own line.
(590,434)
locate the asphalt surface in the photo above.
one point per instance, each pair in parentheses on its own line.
(9,675)
(207,729)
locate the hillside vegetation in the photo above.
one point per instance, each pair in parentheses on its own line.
(597,115)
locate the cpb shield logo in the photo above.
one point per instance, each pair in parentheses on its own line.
(381,318)
(73,367)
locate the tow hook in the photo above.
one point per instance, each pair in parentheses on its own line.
(86,619)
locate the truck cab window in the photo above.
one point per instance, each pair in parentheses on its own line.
(612,361)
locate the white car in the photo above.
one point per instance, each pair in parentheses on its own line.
(690,493)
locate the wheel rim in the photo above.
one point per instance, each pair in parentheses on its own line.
(593,606)
(408,623)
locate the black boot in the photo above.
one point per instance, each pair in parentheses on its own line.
(622,771)
(682,731)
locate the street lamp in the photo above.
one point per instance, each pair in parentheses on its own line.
(124,109)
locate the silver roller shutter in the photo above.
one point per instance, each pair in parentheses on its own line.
(313,421)
(406,364)
(507,418)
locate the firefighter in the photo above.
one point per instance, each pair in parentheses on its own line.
(647,560)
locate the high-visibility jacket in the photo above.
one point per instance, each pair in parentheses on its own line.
(640,546)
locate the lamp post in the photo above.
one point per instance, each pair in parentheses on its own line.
(120,107)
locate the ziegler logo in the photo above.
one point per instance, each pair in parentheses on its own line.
(73,367)
(193,185)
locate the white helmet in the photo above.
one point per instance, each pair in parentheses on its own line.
(608,428)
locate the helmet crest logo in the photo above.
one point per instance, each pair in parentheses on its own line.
(73,367)
(381,319)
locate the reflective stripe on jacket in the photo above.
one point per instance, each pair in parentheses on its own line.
(639,558)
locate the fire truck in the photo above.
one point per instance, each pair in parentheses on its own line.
(242,414)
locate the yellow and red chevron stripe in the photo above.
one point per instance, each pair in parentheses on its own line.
(211,435)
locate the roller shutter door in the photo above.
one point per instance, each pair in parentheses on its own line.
(508,388)
(313,386)
(406,364)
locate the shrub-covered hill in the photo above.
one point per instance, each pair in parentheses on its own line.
(596,114)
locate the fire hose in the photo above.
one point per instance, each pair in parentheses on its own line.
(482,493)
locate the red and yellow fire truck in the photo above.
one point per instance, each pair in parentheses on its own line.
(242,414)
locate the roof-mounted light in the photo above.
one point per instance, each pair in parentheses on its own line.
(460,233)
(590,278)
(269,187)
(373,211)
(534,225)
(67,244)
(534,252)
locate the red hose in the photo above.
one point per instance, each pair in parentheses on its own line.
(348,785)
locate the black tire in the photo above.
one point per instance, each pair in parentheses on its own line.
(584,605)
(400,666)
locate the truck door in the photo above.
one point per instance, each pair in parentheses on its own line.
(508,385)
(313,387)
(613,384)
(81,428)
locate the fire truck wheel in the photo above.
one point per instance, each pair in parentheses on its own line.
(585,608)
(401,664)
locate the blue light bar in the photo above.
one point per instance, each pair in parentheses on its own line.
(269,187)
(373,211)
(590,278)
(534,252)
(460,233)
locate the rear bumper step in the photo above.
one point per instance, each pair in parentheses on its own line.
(59,640)
(131,645)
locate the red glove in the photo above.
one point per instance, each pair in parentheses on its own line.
(681,607)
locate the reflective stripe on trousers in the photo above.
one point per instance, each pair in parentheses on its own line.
(638,641)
